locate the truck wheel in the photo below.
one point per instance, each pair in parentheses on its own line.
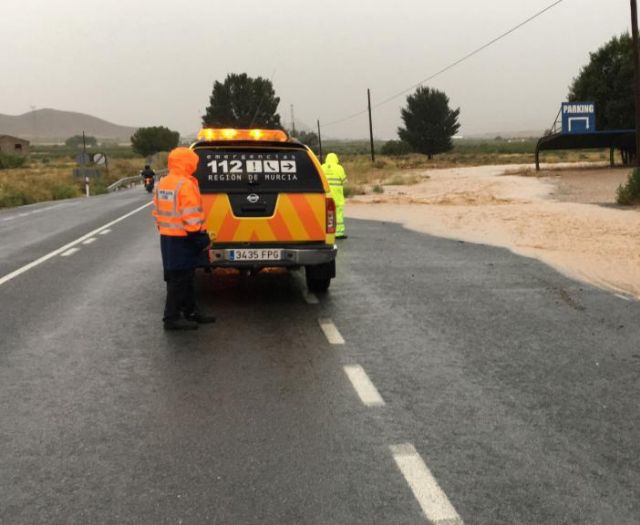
(318,285)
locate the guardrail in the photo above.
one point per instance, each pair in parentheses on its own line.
(131,181)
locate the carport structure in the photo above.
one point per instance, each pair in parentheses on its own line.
(624,140)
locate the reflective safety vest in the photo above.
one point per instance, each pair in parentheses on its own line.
(178,206)
(336,177)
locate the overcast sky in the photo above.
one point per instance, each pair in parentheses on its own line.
(143,62)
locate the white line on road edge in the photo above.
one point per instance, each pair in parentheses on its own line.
(620,296)
(37,262)
(70,251)
(331,332)
(433,501)
(310,298)
(104,232)
(363,386)
(89,240)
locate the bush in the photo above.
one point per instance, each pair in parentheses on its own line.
(629,193)
(64,191)
(11,161)
(394,148)
(350,190)
(377,189)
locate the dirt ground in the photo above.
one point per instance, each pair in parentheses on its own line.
(565,216)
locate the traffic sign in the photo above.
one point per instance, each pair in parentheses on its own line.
(578,117)
(100,159)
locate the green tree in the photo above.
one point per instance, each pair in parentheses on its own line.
(147,141)
(429,122)
(242,102)
(76,141)
(309,138)
(608,81)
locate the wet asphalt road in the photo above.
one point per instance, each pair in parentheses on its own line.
(518,388)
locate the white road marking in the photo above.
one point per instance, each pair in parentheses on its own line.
(70,251)
(363,386)
(431,498)
(44,258)
(310,298)
(89,240)
(39,210)
(331,332)
(624,297)
(104,232)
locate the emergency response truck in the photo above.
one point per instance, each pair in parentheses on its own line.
(266,203)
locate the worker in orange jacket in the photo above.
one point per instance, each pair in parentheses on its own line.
(180,219)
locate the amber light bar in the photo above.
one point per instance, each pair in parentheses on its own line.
(269,135)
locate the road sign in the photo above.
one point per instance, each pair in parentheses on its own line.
(578,117)
(100,159)
(83,158)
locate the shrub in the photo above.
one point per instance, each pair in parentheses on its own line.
(629,193)
(395,148)
(64,191)
(11,161)
(350,190)
(377,189)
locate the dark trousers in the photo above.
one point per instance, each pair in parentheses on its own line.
(181,297)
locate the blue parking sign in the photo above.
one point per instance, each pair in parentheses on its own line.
(578,117)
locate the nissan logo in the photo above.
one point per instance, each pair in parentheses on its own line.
(253,198)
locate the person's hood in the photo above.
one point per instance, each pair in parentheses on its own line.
(182,162)
(332,158)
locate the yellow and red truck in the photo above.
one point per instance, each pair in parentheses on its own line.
(267,203)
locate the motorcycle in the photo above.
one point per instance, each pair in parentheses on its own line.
(149,182)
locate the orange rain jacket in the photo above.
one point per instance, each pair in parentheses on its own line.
(178,212)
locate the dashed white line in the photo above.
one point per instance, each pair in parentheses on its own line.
(70,251)
(62,249)
(624,297)
(363,386)
(431,498)
(104,232)
(89,240)
(331,332)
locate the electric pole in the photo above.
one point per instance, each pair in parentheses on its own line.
(293,122)
(373,153)
(636,67)
(320,142)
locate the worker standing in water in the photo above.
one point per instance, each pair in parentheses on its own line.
(336,177)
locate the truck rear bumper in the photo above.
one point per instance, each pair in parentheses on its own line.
(290,256)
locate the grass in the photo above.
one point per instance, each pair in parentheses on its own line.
(48,175)
(628,194)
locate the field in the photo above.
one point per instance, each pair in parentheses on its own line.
(48,174)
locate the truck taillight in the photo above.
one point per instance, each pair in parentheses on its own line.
(331,215)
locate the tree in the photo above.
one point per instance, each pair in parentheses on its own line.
(76,141)
(310,138)
(242,102)
(429,122)
(147,141)
(608,81)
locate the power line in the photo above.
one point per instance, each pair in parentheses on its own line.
(450,66)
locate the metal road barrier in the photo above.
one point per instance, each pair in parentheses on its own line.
(131,181)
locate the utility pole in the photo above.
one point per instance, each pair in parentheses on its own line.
(293,122)
(636,67)
(320,142)
(373,153)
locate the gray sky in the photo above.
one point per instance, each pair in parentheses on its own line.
(144,62)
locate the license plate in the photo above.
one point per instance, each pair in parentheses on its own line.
(257,254)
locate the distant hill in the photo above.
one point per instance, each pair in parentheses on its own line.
(53,126)
(524,134)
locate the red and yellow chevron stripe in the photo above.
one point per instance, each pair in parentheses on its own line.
(298,217)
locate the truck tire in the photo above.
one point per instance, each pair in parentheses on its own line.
(318,285)
(319,277)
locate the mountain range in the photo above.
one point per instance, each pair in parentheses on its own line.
(55,126)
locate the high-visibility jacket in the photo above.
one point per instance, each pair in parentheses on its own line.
(177,202)
(336,177)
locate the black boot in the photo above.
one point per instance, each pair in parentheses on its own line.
(200,318)
(180,324)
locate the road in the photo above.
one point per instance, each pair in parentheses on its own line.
(437,382)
